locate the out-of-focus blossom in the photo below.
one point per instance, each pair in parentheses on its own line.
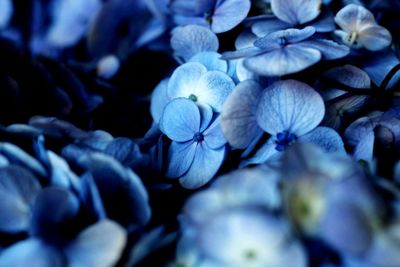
(6,12)
(360,30)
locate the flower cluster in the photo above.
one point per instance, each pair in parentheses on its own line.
(200,133)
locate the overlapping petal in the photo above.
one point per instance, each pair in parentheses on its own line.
(290,106)
(296,11)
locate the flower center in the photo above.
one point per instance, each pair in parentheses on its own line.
(284,139)
(198,137)
(352,38)
(193,98)
(282,41)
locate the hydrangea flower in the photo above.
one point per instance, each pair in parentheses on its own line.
(359,29)
(219,15)
(336,204)
(198,145)
(49,244)
(288,110)
(287,51)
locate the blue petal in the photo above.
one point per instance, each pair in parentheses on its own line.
(205,165)
(213,88)
(159,99)
(31,252)
(18,189)
(189,40)
(53,208)
(90,196)
(264,27)
(349,75)
(213,135)
(101,244)
(245,39)
(211,60)
(375,38)
(325,22)
(290,106)
(264,153)
(365,148)
(329,49)
(180,120)
(290,35)
(282,61)
(206,114)
(17,156)
(346,227)
(353,17)
(238,116)
(184,79)
(180,158)
(191,8)
(244,52)
(360,129)
(296,11)
(326,138)
(228,14)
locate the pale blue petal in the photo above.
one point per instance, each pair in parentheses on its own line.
(187,41)
(211,60)
(191,8)
(18,156)
(213,135)
(101,244)
(290,106)
(353,17)
(264,153)
(6,12)
(329,49)
(180,158)
(325,22)
(213,88)
(238,116)
(267,26)
(205,165)
(286,60)
(293,35)
(360,129)
(245,39)
(180,120)
(184,79)
(375,38)
(244,52)
(159,99)
(346,228)
(243,73)
(228,14)
(31,252)
(18,190)
(206,114)
(296,11)
(349,75)
(326,138)
(365,148)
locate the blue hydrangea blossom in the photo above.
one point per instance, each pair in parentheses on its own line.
(360,30)
(287,51)
(198,145)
